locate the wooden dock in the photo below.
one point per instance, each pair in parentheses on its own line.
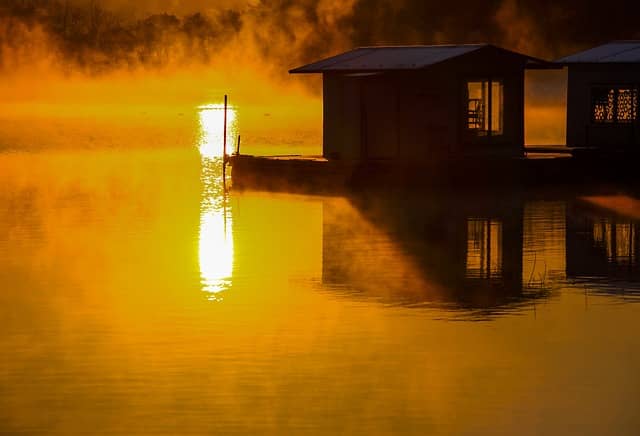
(539,167)
(292,172)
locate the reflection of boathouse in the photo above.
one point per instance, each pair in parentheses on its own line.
(416,103)
(472,252)
(439,250)
(599,246)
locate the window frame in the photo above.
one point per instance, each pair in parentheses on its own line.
(489,109)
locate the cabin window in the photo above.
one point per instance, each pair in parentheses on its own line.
(614,104)
(485,107)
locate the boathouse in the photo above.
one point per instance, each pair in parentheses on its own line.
(422,103)
(602,97)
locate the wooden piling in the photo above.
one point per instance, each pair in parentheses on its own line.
(224,142)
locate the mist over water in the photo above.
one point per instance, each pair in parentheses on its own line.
(97,60)
(101,36)
(139,298)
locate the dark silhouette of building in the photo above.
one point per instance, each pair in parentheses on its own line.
(602,96)
(422,103)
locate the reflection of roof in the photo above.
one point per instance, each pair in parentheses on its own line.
(613,52)
(396,58)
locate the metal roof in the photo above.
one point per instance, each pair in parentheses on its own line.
(394,58)
(613,52)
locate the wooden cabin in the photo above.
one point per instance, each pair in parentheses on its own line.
(602,97)
(419,104)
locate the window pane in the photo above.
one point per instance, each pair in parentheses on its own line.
(627,103)
(610,108)
(485,102)
(600,105)
(477,118)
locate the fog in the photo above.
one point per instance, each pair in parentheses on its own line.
(92,53)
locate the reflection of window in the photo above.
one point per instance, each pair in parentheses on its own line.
(485,103)
(614,104)
(484,248)
(618,240)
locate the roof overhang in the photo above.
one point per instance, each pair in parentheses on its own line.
(562,64)
(384,59)
(615,53)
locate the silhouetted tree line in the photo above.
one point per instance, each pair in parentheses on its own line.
(89,36)
(289,32)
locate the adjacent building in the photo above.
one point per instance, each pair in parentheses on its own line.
(602,97)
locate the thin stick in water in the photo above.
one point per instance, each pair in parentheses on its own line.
(224,142)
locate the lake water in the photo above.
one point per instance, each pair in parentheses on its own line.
(136,297)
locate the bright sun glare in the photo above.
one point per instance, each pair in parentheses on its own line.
(211,128)
(215,242)
(215,251)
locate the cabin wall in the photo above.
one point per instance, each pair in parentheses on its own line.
(341,117)
(495,66)
(379,117)
(427,114)
(513,136)
(406,116)
(581,130)
(420,116)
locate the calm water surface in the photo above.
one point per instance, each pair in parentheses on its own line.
(137,298)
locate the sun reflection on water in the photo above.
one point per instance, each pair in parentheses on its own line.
(211,119)
(215,251)
(215,245)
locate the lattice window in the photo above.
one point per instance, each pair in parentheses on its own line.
(614,104)
(627,100)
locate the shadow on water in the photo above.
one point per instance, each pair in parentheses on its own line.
(452,251)
(474,254)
